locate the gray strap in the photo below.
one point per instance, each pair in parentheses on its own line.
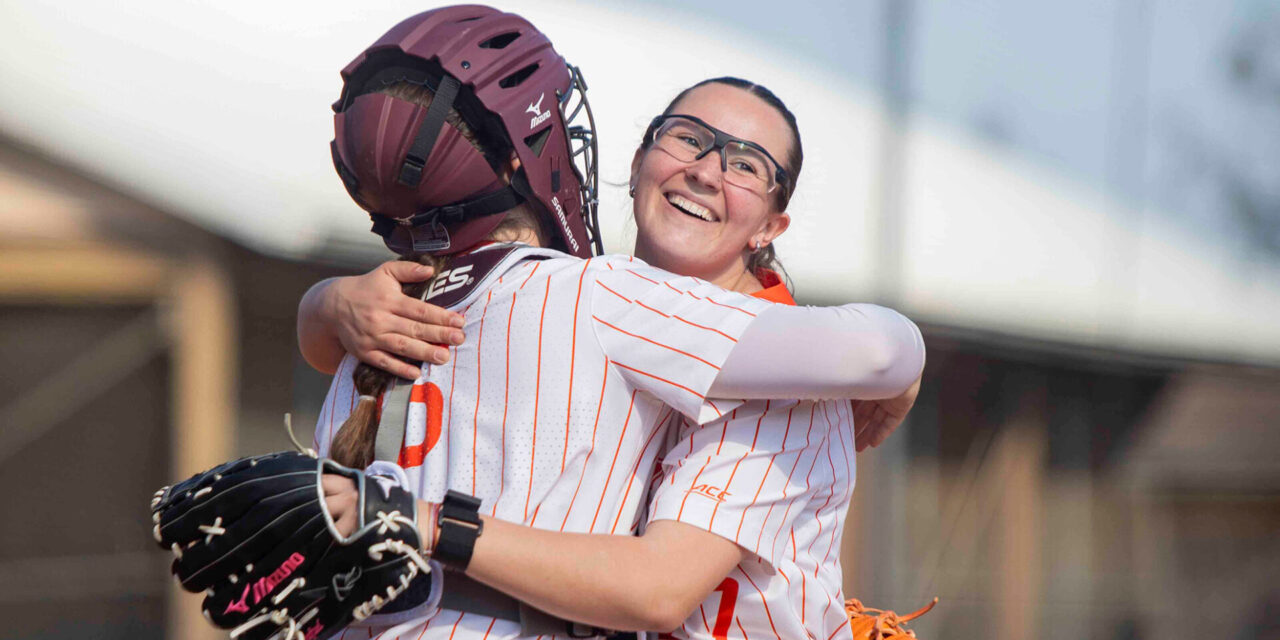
(395,409)
(461,593)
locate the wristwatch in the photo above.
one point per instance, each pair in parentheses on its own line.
(459,526)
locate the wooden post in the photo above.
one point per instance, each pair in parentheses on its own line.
(1019,541)
(204,401)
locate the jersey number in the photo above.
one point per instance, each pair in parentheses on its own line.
(728,598)
(428,394)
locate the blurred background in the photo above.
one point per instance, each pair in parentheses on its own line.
(1079,202)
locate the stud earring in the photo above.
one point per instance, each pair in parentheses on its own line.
(632,191)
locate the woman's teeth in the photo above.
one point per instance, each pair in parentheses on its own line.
(690,207)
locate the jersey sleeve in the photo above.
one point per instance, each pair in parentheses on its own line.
(668,335)
(338,404)
(852,351)
(749,477)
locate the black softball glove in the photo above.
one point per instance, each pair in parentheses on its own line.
(255,535)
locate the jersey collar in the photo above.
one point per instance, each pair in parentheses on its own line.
(774,289)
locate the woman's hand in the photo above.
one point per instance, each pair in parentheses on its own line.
(342,501)
(370,317)
(874,420)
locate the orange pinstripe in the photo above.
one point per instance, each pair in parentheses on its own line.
(594,428)
(537,395)
(838,629)
(696,325)
(804,589)
(605,490)
(697,475)
(631,480)
(666,315)
(764,601)
(807,477)
(506,404)
(655,342)
(831,494)
(606,288)
(475,417)
(573,360)
(764,477)
(455,625)
(734,472)
(658,378)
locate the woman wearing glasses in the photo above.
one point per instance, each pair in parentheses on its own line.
(745,513)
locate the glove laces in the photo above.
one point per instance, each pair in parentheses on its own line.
(881,624)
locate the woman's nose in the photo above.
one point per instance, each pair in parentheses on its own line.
(706,170)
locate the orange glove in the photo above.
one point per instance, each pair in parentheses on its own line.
(878,624)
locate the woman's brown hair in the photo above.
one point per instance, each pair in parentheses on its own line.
(353,445)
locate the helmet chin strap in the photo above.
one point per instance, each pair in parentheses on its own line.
(416,158)
(434,219)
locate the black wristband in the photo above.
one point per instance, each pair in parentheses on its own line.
(459,526)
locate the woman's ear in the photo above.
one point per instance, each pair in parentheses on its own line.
(509,168)
(774,226)
(635,168)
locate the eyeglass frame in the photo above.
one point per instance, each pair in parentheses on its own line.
(780,176)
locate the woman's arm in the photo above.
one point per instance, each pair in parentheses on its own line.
(860,351)
(651,582)
(646,583)
(369,317)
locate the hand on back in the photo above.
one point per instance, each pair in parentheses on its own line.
(874,420)
(382,327)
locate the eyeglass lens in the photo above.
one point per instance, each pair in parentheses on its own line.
(743,165)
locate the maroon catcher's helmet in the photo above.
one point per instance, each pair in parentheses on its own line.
(426,187)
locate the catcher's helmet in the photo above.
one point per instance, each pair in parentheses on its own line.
(428,189)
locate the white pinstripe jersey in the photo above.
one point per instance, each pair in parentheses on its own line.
(776,478)
(552,411)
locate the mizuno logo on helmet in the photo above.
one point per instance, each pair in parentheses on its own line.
(535,108)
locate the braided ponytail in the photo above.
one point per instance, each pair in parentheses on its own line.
(353,444)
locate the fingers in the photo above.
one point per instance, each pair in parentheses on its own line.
(389,363)
(405,272)
(878,429)
(428,314)
(334,484)
(341,500)
(406,348)
(863,410)
(426,332)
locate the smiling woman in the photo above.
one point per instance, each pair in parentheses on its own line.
(689,218)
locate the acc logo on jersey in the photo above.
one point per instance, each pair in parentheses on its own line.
(539,116)
(708,491)
(449,280)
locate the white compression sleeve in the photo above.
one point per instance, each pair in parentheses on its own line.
(858,351)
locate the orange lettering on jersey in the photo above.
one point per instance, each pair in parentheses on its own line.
(708,491)
(428,394)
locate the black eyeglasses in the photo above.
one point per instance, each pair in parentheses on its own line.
(744,163)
